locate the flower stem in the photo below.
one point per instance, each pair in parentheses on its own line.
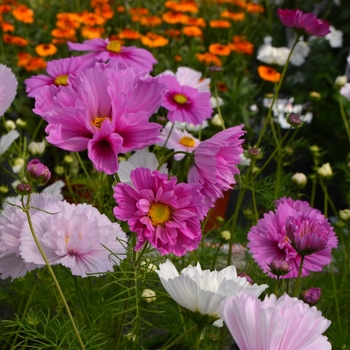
(296,288)
(342,112)
(165,159)
(335,295)
(26,209)
(179,338)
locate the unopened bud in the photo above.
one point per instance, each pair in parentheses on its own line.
(294,120)
(299,179)
(23,189)
(68,159)
(37,148)
(217,120)
(225,235)
(18,164)
(21,123)
(148,295)
(279,267)
(325,171)
(315,96)
(311,296)
(254,152)
(340,81)
(344,214)
(10,125)
(37,172)
(59,170)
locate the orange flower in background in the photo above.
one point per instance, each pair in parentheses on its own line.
(5,8)
(15,40)
(222,87)
(219,49)
(89,32)
(91,19)
(35,63)
(173,33)
(240,3)
(255,8)
(44,50)
(7,27)
(120,9)
(68,20)
(182,6)
(269,74)
(208,59)
(23,14)
(235,16)
(154,40)
(174,17)
(192,31)
(105,10)
(198,22)
(23,59)
(151,21)
(220,23)
(241,45)
(140,11)
(63,33)
(129,34)
(178,58)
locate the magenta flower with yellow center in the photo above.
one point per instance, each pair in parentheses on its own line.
(111,50)
(160,211)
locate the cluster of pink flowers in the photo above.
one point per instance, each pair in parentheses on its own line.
(294,230)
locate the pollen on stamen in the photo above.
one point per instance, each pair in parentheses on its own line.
(114,46)
(187,141)
(180,99)
(61,80)
(159,213)
(97,122)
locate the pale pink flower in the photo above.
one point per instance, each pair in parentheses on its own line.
(160,211)
(76,236)
(274,324)
(8,88)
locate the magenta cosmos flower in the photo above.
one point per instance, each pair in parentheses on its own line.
(12,220)
(111,50)
(274,324)
(160,211)
(105,110)
(305,22)
(58,72)
(269,239)
(178,140)
(187,99)
(215,163)
(76,236)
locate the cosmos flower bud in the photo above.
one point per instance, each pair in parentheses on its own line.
(299,179)
(23,189)
(344,214)
(37,148)
(225,235)
(325,171)
(248,278)
(279,267)
(10,125)
(311,296)
(340,81)
(37,172)
(294,120)
(148,295)
(315,96)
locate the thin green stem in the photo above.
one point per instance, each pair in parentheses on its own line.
(82,301)
(179,338)
(343,115)
(216,256)
(313,193)
(218,106)
(327,198)
(335,295)
(26,209)
(165,159)
(84,169)
(296,288)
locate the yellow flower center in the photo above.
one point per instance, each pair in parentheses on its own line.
(114,46)
(97,122)
(187,141)
(62,80)
(180,99)
(159,213)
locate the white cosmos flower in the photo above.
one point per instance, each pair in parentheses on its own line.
(140,159)
(273,55)
(8,88)
(7,140)
(203,291)
(300,52)
(335,37)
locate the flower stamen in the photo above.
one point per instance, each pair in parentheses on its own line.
(187,141)
(159,213)
(180,99)
(114,46)
(98,121)
(61,80)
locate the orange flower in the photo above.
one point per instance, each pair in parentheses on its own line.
(173,33)
(23,14)
(220,23)
(89,32)
(44,50)
(151,21)
(120,9)
(91,19)
(178,58)
(240,3)
(96,3)
(67,20)
(105,10)
(23,59)
(255,8)
(5,8)
(235,16)
(7,27)
(241,45)
(269,74)
(198,22)
(154,40)
(219,49)
(208,59)
(192,31)
(129,34)
(222,87)
(63,33)
(140,11)
(35,63)
(16,40)
(174,17)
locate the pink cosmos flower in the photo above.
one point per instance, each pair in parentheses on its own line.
(8,88)
(279,324)
(215,163)
(345,91)
(160,211)
(187,100)
(111,50)
(177,140)
(269,241)
(12,220)
(306,22)
(58,74)
(76,236)
(105,110)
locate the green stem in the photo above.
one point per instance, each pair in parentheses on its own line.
(328,199)
(84,169)
(198,337)
(277,285)
(179,338)
(26,210)
(342,112)
(335,295)
(216,256)
(218,107)
(313,193)
(82,301)
(296,288)
(165,159)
